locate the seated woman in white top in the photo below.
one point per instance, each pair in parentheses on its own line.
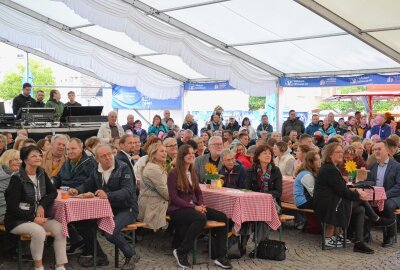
(283,159)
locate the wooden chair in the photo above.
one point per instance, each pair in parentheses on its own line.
(292,207)
(284,218)
(209,226)
(22,238)
(130,228)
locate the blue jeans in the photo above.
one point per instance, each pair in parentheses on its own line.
(122,219)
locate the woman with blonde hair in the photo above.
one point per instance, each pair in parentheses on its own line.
(201,147)
(153,198)
(367,145)
(3,144)
(241,155)
(10,161)
(90,145)
(19,141)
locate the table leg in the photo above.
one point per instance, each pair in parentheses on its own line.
(255,239)
(95,248)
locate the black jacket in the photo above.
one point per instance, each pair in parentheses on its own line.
(235,178)
(193,127)
(38,104)
(119,188)
(266,127)
(21,190)
(22,101)
(73,178)
(121,156)
(290,125)
(275,186)
(332,198)
(233,127)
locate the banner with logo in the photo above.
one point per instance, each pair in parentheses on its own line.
(130,98)
(340,81)
(207,86)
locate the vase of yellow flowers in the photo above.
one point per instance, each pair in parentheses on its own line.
(211,173)
(351,167)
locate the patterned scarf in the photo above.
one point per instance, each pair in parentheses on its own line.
(264,179)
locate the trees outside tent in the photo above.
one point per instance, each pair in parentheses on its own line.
(12,83)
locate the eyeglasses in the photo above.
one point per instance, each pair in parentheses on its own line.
(173,145)
(217,144)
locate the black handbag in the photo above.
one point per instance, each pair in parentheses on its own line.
(271,250)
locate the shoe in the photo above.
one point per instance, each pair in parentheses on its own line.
(252,254)
(129,264)
(223,262)
(181,259)
(75,248)
(333,242)
(86,261)
(384,222)
(388,242)
(340,238)
(362,248)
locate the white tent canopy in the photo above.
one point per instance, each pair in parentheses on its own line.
(156,45)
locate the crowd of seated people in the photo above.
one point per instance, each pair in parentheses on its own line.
(157,172)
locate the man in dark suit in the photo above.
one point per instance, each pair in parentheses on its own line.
(386,173)
(127,145)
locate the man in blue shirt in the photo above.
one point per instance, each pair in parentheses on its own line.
(314,125)
(386,173)
(382,129)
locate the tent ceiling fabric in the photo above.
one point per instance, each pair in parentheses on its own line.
(119,16)
(285,37)
(24,30)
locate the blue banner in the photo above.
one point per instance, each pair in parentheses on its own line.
(207,86)
(340,81)
(130,98)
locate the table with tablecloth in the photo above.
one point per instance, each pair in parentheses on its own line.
(242,206)
(74,209)
(288,186)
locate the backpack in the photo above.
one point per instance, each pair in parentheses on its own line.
(4,181)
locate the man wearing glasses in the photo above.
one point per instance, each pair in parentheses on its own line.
(215,146)
(234,173)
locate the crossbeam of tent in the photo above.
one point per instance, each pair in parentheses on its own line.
(350,28)
(198,34)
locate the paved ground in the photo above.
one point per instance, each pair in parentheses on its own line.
(304,253)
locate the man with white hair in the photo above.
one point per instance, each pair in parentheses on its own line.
(381,128)
(110,130)
(112,180)
(234,173)
(187,135)
(130,119)
(215,146)
(167,115)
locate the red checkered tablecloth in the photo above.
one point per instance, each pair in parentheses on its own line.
(287,189)
(380,197)
(242,206)
(66,211)
(288,185)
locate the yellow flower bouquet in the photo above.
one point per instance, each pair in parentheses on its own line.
(211,173)
(351,167)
